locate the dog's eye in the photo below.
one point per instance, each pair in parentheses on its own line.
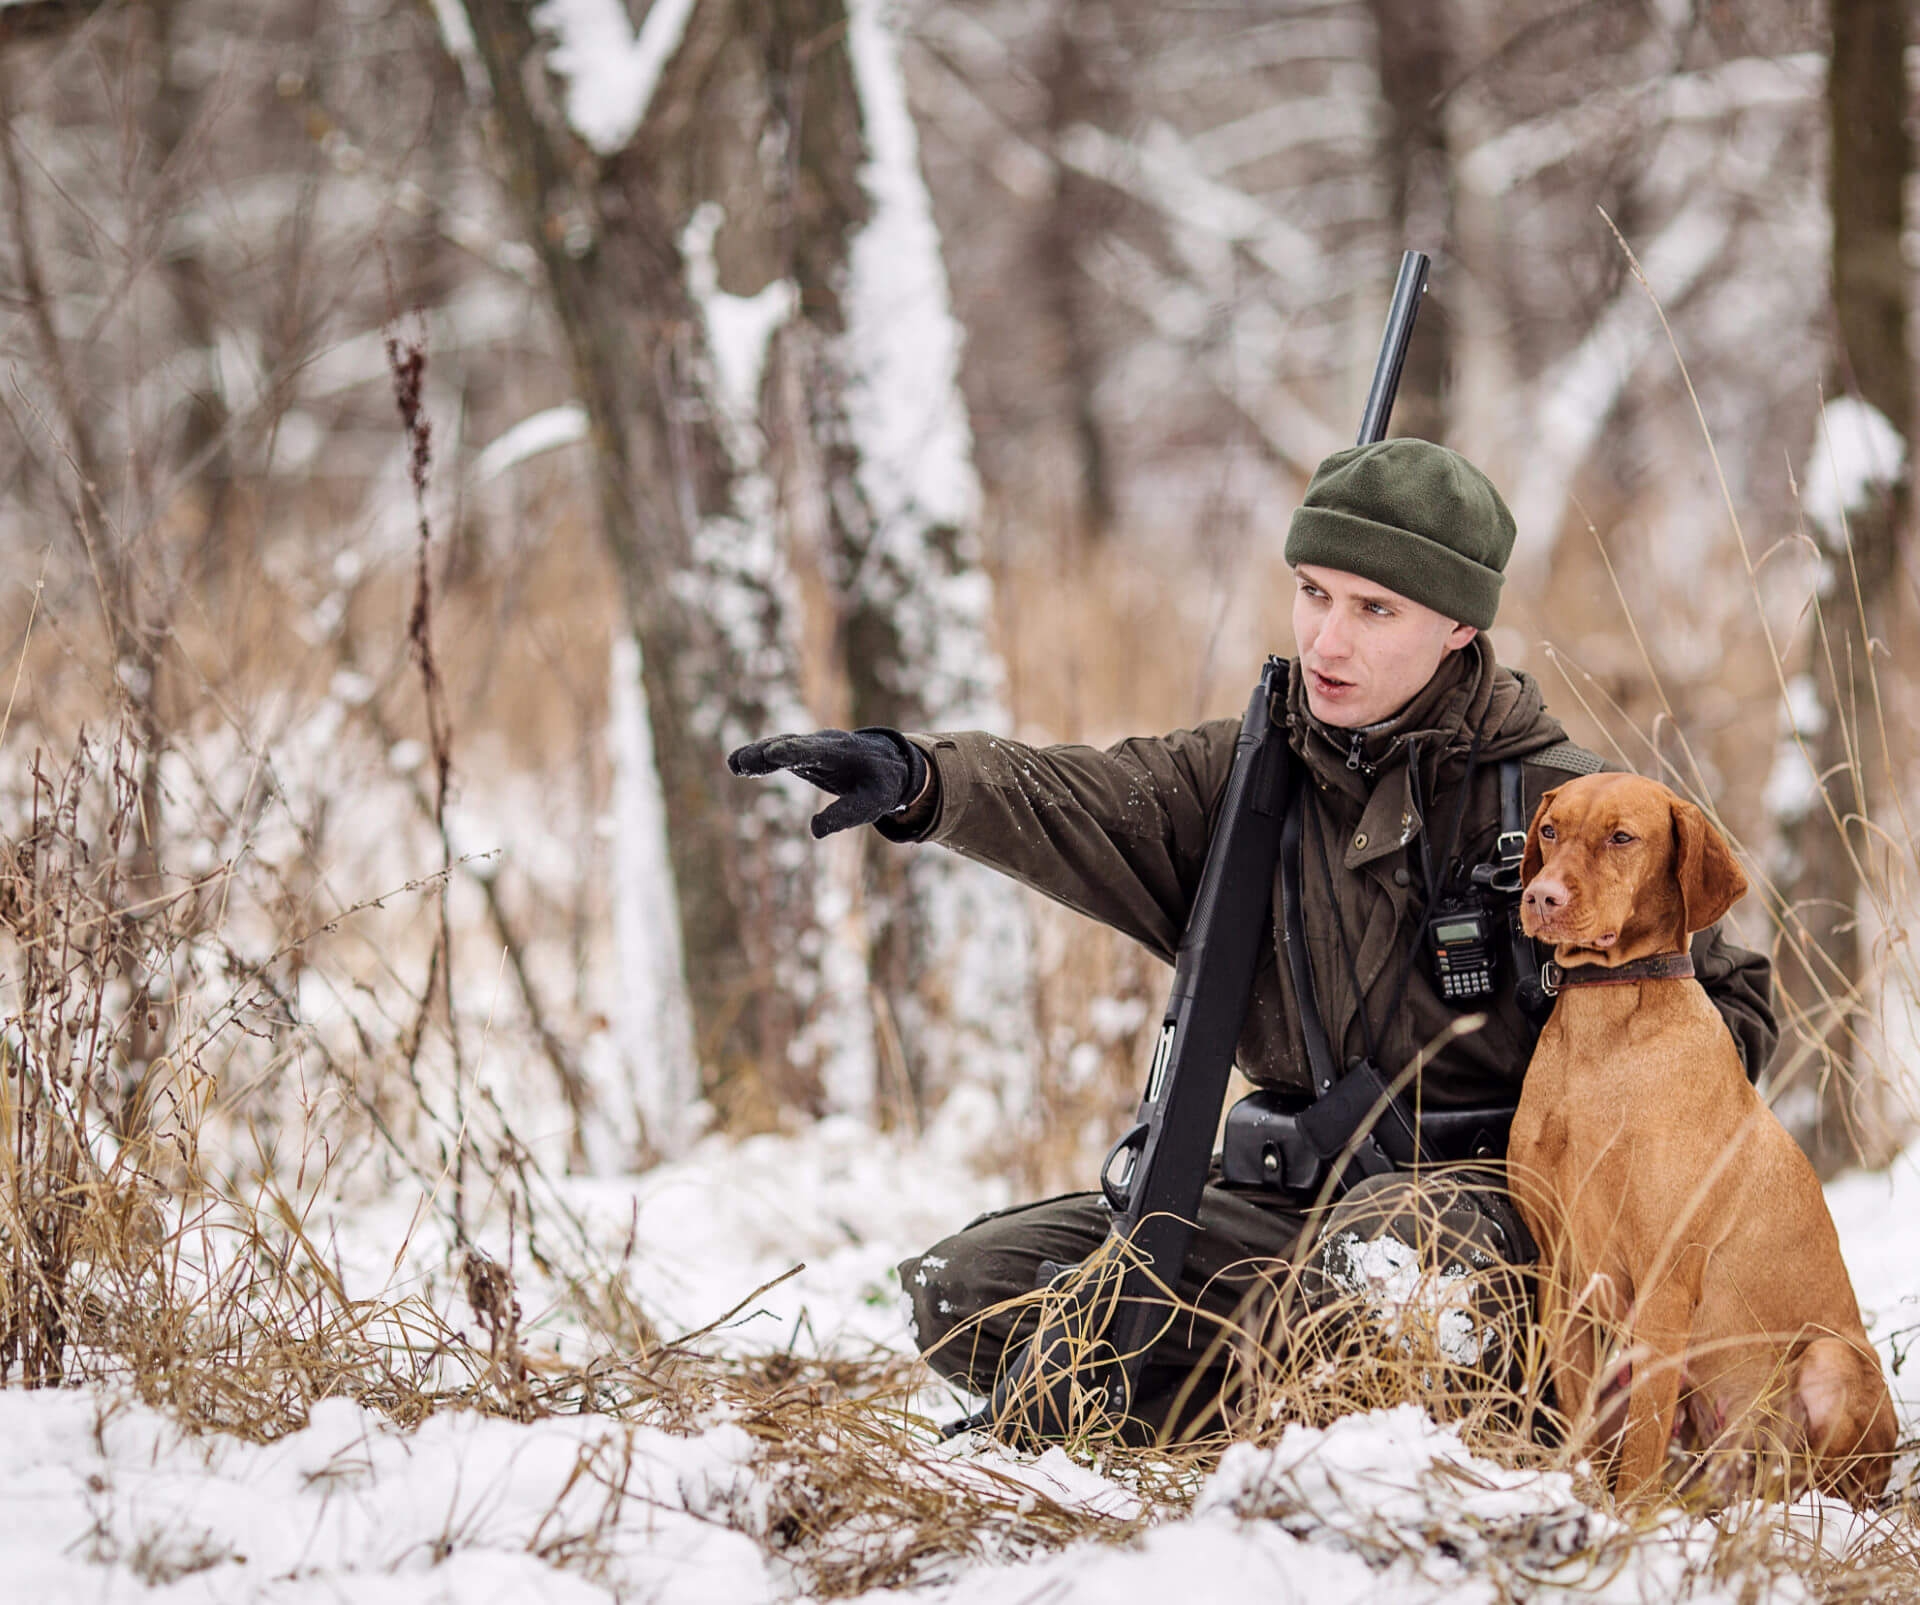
(1621,839)
(1546,833)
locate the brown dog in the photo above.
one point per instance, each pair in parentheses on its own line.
(1688,1258)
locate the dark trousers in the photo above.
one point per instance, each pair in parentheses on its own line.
(1258,1262)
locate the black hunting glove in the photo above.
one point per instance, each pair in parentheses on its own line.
(871,772)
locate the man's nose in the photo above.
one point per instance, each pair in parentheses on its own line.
(1545,895)
(1331,641)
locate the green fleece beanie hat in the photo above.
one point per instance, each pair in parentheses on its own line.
(1412,516)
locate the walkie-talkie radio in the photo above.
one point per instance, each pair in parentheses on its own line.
(1460,935)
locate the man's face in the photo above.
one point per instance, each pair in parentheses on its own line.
(1366,651)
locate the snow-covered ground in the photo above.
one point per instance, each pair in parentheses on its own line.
(108,1500)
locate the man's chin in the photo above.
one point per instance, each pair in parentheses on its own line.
(1338,707)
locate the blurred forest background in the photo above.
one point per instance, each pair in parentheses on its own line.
(767,364)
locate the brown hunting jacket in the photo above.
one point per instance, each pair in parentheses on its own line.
(1121,835)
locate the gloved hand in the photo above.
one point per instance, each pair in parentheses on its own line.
(872,772)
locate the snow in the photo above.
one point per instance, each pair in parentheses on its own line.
(610,72)
(654,1018)
(114,1494)
(923,567)
(1792,787)
(544,431)
(738,327)
(1747,83)
(1575,401)
(1388,1275)
(1855,451)
(456,32)
(903,340)
(112,1501)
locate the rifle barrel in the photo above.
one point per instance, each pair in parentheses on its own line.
(1407,291)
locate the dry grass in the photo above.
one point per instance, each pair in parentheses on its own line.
(137,1253)
(130,1263)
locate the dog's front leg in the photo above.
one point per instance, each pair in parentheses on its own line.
(1661,1324)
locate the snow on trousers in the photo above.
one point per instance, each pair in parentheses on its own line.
(1442,1251)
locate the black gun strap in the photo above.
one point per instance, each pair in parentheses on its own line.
(1513,807)
(1509,851)
(1368,1156)
(1320,1060)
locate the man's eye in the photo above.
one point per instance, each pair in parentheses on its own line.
(1546,833)
(1621,839)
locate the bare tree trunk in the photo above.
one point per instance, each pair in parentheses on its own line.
(1822,965)
(871,456)
(768,207)
(954,963)
(1412,44)
(699,574)
(1080,209)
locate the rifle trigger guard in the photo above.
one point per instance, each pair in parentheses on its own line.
(1131,1142)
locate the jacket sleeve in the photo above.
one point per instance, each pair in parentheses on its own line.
(1119,835)
(1741,986)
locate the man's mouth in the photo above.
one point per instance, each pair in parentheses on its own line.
(1327,685)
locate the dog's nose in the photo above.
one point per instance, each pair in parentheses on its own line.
(1545,896)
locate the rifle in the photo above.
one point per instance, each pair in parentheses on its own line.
(1084,1360)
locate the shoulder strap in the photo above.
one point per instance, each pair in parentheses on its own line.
(1567,756)
(1293,932)
(1534,999)
(1340,1102)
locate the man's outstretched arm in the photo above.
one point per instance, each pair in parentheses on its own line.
(1120,835)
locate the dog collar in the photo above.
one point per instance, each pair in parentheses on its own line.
(1660,967)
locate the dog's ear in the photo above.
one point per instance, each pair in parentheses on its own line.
(1530,860)
(1711,880)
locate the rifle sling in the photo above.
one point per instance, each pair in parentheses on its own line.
(1368,1156)
(1320,1060)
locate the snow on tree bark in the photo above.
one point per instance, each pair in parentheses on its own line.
(700,569)
(921,601)
(653,1023)
(1855,478)
(1825,972)
(828,970)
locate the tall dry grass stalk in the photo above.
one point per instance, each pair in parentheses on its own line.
(130,1259)
(1841,1030)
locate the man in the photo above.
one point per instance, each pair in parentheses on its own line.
(1401,724)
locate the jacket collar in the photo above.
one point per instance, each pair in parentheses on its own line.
(1372,748)
(1469,695)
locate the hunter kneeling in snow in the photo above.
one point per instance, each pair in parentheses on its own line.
(1419,758)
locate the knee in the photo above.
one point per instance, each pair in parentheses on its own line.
(1419,1258)
(1391,1222)
(935,1302)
